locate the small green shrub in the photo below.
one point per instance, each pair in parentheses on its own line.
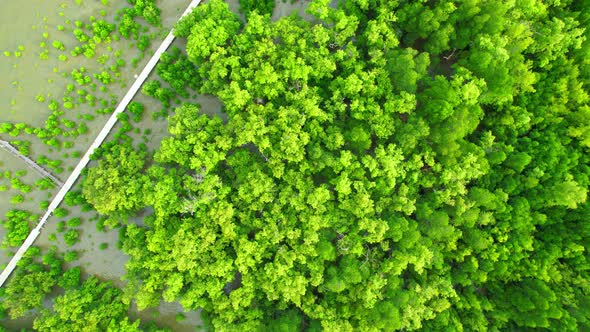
(58,45)
(74,222)
(61,226)
(71,237)
(100,226)
(17,199)
(43,205)
(60,212)
(71,256)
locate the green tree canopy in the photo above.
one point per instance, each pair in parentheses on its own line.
(387,166)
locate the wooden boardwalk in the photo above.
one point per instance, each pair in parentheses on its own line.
(8,147)
(86,158)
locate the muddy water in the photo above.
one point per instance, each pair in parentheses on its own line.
(23,78)
(9,163)
(22,23)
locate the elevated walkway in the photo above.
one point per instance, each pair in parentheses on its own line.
(8,147)
(97,142)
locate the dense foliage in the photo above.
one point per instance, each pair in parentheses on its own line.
(94,306)
(113,184)
(40,286)
(89,305)
(262,7)
(394,165)
(17,227)
(30,283)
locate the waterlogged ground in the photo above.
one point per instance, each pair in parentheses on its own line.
(24,78)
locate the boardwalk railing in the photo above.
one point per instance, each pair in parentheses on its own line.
(8,147)
(99,139)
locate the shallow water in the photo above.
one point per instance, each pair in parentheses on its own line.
(30,75)
(22,79)
(12,164)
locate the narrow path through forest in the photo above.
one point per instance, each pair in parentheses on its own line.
(86,158)
(43,172)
